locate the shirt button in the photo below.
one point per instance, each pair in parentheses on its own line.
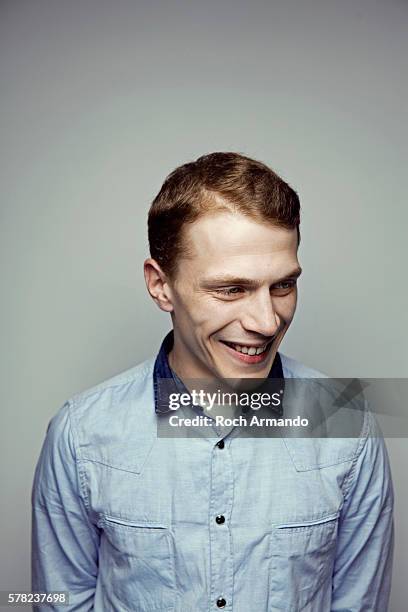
(220,444)
(221,602)
(220,519)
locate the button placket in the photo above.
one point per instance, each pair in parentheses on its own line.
(221,498)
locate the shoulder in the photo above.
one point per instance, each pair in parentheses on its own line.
(348,427)
(106,398)
(108,406)
(295,369)
(116,385)
(104,422)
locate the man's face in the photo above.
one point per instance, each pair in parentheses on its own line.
(234,297)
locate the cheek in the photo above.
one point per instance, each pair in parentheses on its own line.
(196,314)
(204,311)
(286,307)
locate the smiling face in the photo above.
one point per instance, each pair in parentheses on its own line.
(233,298)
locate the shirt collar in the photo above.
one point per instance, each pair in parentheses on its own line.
(162,369)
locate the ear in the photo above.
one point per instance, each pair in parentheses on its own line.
(157,285)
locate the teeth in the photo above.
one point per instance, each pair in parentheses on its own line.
(249,350)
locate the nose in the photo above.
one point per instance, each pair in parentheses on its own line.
(260,316)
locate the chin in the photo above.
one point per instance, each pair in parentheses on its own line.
(245,372)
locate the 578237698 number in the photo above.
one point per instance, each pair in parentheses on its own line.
(8,598)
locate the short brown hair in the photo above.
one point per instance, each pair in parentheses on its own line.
(215,182)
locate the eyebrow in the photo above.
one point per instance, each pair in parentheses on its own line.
(226,280)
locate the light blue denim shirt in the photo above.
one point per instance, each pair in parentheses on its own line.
(127,521)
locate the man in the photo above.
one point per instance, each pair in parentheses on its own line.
(124,519)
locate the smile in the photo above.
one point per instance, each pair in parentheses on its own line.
(248,350)
(247,353)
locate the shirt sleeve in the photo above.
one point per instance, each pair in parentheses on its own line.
(362,571)
(64,546)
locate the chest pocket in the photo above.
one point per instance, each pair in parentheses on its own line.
(140,572)
(302,558)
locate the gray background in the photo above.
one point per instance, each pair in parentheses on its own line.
(100,100)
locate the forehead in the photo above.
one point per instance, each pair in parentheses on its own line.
(232,242)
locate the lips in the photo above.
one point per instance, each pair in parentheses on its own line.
(247,353)
(248,350)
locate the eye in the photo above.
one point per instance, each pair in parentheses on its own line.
(229,291)
(285,285)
